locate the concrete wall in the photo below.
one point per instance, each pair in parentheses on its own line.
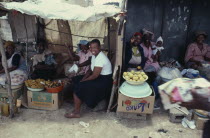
(175,20)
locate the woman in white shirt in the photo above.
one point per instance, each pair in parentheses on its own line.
(96,84)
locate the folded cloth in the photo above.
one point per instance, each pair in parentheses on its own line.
(179,90)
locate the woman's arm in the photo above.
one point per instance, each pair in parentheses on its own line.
(86,63)
(15,63)
(87,74)
(94,75)
(9,69)
(143,58)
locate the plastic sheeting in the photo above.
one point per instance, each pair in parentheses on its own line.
(98,29)
(62,10)
(5,29)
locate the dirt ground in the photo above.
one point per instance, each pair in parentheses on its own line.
(31,123)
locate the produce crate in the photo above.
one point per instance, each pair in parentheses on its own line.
(136,105)
(44,100)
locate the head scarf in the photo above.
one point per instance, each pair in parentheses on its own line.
(159,39)
(83,42)
(9,43)
(148,32)
(201,33)
(137,34)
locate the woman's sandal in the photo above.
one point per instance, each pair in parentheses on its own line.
(72,115)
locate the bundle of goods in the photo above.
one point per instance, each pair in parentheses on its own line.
(168,74)
(35,85)
(54,86)
(170,64)
(179,90)
(135,78)
(190,73)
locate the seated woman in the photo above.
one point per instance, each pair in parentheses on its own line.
(43,63)
(83,55)
(96,84)
(134,55)
(197,51)
(16,66)
(151,64)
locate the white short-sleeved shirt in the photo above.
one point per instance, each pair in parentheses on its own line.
(101,61)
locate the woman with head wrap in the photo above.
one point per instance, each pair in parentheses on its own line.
(16,66)
(134,55)
(197,51)
(151,65)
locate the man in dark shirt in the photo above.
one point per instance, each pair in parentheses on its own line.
(43,70)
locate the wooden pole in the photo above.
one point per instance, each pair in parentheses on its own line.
(66,39)
(119,54)
(8,80)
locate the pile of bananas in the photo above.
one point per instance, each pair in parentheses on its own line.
(35,84)
(52,84)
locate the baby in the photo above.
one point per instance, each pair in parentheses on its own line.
(157,48)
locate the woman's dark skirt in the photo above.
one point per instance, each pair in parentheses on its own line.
(93,91)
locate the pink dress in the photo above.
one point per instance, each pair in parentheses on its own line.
(84,57)
(149,63)
(194,52)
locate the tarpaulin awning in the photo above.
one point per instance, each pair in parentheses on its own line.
(58,9)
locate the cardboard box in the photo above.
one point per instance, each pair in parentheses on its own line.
(132,116)
(136,105)
(44,100)
(199,122)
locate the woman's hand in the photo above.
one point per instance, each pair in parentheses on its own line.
(94,75)
(132,40)
(88,73)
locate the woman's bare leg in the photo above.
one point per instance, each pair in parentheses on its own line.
(77,104)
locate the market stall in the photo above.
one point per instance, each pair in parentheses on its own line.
(59,33)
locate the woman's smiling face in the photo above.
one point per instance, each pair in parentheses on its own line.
(200,39)
(95,49)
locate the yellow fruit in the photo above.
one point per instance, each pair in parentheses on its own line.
(139,67)
(135,78)
(127,77)
(125,73)
(142,73)
(141,79)
(139,75)
(132,71)
(145,76)
(138,72)
(130,75)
